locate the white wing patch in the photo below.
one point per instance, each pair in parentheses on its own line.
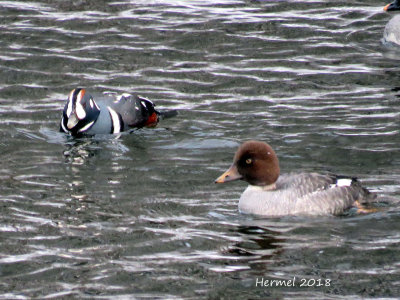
(143,104)
(86,127)
(144,98)
(115,120)
(342,182)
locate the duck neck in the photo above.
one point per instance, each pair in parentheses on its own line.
(269,187)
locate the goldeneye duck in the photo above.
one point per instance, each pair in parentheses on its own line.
(272,194)
(108,113)
(391,33)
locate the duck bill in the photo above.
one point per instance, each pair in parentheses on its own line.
(72,121)
(230,175)
(386,7)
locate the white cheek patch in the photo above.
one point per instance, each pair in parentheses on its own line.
(115,120)
(91,103)
(80,111)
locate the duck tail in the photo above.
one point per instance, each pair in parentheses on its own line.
(362,194)
(368,197)
(365,196)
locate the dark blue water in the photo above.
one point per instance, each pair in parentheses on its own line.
(138,215)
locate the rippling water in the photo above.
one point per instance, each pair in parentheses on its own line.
(138,216)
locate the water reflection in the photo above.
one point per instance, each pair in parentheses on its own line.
(78,152)
(82,159)
(257,241)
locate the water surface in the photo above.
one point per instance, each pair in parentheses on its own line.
(138,215)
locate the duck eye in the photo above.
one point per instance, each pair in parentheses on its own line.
(249,161)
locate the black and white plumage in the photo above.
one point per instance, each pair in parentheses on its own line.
(108,113)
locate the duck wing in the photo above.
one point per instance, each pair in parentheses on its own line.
(326,193)
(135,111)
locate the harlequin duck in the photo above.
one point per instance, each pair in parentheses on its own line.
(272,194)
(108,113)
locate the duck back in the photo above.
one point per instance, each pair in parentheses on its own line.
(304,193)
